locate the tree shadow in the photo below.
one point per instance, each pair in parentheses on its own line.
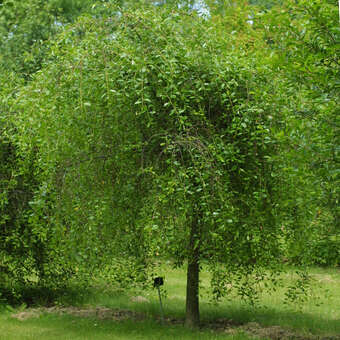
(267,317)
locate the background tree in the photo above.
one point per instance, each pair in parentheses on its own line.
(26,26)
(304,36)
(25,250)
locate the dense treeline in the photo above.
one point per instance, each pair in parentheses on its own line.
(188,130)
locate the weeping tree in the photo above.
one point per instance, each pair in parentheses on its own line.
(153,137)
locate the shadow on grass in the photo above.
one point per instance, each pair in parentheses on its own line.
(233,313)
(287,318)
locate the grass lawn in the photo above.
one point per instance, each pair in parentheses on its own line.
(108,314)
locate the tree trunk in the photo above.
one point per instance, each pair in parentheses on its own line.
(192,318)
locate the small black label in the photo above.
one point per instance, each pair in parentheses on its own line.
(158,281)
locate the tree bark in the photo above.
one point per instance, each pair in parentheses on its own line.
(192,318)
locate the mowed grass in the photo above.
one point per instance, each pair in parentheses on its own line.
(74,328)
(318,316)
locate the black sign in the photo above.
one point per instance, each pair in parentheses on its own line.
(158,281)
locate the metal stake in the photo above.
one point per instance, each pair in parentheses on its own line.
(158,282)
(160,302)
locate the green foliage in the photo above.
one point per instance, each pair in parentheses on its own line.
(304,36)
(14,196)
(25,26)
(30,255)
(324,251)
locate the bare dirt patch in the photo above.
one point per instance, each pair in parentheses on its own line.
(101,313)
(27,314)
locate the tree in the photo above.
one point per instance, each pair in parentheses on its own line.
(153,136)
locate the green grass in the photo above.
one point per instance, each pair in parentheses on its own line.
(319,315)
(66,327)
